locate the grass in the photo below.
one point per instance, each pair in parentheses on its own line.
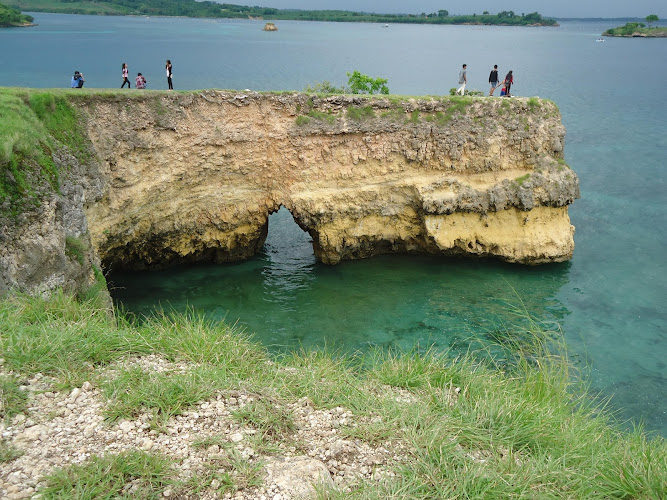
(75,248)
(162,395)
(325,117)
(26,166)
(8,452)
(317,116)
(131,474)
(13,400)
(302,120)
(520,180)
(512,421)
(360,113)
(34,124)
(271,420)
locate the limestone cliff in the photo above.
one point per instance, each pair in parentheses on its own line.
(182,177)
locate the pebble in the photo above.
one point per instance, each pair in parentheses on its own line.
(146,444)
(126,426)
(64,428)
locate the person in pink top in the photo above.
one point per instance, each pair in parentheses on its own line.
(140,81)
(126,79)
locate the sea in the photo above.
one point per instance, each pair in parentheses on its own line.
(609,301)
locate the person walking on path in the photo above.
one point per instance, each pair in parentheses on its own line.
(140,81)
(493,79)
(463,79)
(126,79)
(168,68)
(509,80)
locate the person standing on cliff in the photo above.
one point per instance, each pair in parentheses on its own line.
(463,79)
(168,68)
(126,75)
(509,80)
(493,79)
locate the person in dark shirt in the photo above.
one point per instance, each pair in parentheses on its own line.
(169,74)
(509,80)
(493,79)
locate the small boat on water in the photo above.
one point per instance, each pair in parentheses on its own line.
(600,40)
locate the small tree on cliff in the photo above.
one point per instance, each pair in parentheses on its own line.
(364,84)
(651,19)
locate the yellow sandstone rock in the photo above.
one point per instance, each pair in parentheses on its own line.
(194,176)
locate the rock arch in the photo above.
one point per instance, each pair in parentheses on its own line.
(194,176)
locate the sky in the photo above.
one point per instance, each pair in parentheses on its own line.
(554,8)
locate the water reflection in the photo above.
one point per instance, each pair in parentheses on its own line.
(287,299)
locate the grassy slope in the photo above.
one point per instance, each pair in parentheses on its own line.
(34,124)
(538,433)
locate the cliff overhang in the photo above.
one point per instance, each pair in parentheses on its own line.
(185,177)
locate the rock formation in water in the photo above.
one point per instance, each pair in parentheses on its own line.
(185,177)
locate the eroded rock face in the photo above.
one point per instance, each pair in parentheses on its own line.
(194,176)
(185,177)
(48,247)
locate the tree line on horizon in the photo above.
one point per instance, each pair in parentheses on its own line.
(207,8)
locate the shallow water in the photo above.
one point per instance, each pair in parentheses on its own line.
(609,300)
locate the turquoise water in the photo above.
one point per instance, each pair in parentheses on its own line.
(609,300)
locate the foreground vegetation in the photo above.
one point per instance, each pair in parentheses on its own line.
(192,8)
(523,428)
(10,17)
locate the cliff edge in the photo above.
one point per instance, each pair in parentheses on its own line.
(184,177)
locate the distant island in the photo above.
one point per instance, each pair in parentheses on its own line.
(192,8)
(639,30)
(12,18)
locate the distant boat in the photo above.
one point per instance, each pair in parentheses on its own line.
(600,40)
(385,25)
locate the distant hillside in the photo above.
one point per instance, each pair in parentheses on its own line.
(191,8)
(10,17)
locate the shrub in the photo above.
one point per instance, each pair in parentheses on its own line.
(364,84)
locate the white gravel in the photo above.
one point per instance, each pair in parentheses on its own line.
(62,428)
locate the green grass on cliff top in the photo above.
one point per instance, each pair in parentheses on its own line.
(468,428)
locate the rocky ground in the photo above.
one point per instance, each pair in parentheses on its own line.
(63,428)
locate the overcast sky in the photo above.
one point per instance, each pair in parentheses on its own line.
(555,8)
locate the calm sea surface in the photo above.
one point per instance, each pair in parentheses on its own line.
(610,299)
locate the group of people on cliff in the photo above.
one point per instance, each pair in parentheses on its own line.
(493,80)
(140,81)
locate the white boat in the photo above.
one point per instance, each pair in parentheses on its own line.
(600,40)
